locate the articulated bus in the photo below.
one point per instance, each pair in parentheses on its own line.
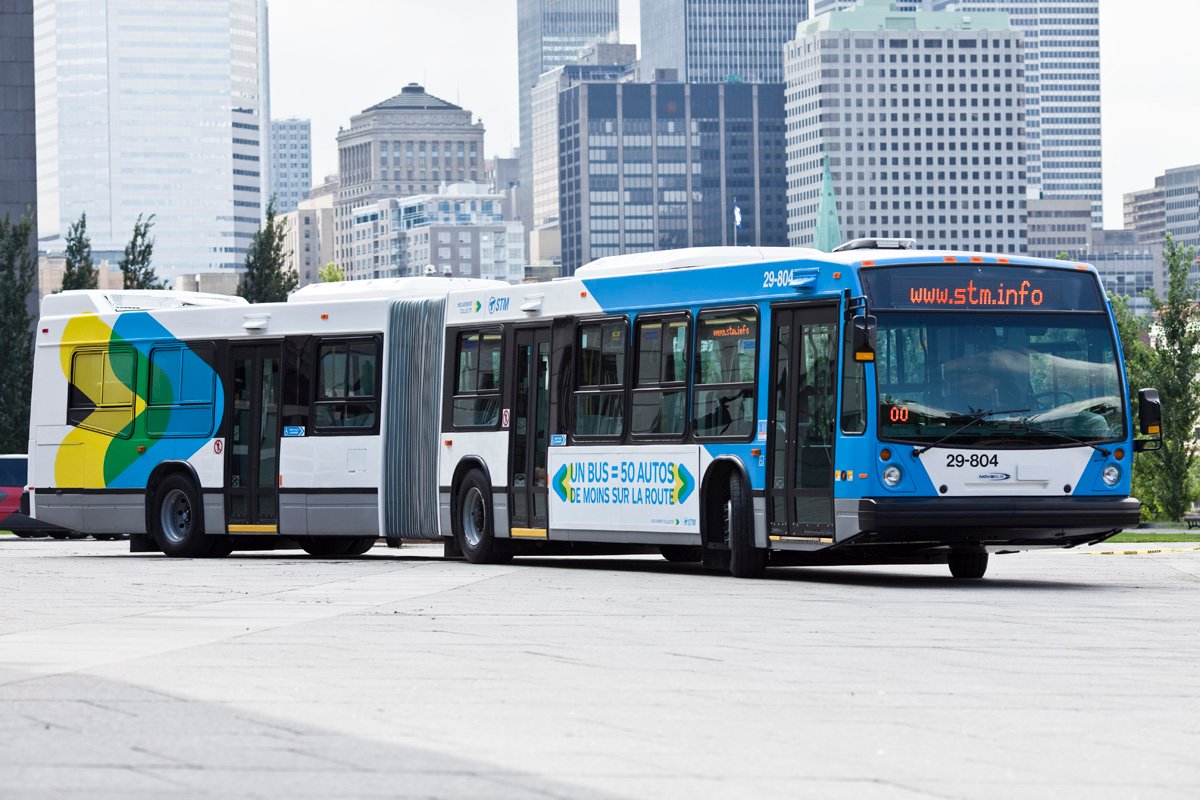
(739,407)
(751,407)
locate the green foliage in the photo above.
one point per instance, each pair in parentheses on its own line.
(79,273)
(18,277)
(265,280)
(1174,363)
(331,273)
(135,264)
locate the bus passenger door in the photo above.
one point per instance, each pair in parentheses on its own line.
(252,452)
(800,436)
(528,512)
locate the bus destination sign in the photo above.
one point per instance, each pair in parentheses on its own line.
(981,287)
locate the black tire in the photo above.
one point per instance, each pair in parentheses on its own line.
(177,519)
(745,560)
(326,546)
(968,564)
(681,553)
(360,545)
(474,526)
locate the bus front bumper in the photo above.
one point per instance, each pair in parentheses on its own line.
(1060,521)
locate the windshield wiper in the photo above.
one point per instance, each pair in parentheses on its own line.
(1068,437)
(979,416)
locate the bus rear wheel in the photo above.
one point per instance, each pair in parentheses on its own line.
(176,522)
(474,526)
(360,544)
(968,564)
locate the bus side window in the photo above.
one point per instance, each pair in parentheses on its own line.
(660,390)
(100,393)
(346,379)
(182,391)
(476,402)
(599,401)
(726,357)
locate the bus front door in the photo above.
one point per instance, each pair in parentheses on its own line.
(799,491)
(252,452)
(530,432)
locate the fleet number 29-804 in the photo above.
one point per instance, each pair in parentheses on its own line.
(973,460)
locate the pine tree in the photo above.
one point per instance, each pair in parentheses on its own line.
(18,276)
(135,264)
(79,273)
(265,279)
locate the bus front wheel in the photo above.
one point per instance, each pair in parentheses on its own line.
(474,526)
(745,559)
(968,564)
(175,519)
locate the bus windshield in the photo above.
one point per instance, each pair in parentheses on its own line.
(1036,379)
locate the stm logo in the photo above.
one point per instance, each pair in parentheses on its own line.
(497,304)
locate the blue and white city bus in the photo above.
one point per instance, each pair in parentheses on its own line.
(752,407)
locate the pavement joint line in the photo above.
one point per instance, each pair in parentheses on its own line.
(1142,552)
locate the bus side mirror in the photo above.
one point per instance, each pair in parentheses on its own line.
(1149,420)
(863,338)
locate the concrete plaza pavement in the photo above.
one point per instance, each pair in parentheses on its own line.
(397,674)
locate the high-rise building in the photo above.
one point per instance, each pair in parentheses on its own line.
(291,162)
(1181,196)
(1062,93)
(18,151)
(921,115)
(459,230)
(144,108)
(1146,212)
(409,144)
(715,41)
(655,166)
(551,33)
(603,63)
(1058,226)
(1172,206)
(308,240)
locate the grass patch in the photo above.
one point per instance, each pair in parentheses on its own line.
(1137,536)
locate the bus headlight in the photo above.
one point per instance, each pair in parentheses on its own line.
(892,475)
(1111,474)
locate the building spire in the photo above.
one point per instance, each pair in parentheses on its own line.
(828,233)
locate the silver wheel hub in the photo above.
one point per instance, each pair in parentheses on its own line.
(176,516)
(474,517)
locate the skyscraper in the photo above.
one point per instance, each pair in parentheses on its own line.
(656,166)
(1062,93)
(407,145)
(922,118)
(713,41)
(148,108)
(291,162)
(18,153)
(551,33)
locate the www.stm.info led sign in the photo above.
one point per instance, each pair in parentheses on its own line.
(981,287)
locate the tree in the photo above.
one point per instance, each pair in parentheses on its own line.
(266,279)
(135,264)
(1174,364)
(331,273)
(18,275)
(79,274)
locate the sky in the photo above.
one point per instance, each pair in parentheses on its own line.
(330,60)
